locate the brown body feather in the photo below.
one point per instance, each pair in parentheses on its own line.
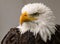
(14,37)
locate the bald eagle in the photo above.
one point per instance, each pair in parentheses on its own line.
(37,26)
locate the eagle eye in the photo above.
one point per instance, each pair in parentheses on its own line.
(35,14)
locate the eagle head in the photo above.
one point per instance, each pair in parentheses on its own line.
(38,18)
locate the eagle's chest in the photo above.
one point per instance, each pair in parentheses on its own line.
(29,38)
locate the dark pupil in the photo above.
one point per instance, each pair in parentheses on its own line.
(35,14)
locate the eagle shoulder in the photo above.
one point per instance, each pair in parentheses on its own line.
(11,37)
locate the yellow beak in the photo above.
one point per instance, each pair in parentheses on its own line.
(26,18)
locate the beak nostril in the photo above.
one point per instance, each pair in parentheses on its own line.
(25,15)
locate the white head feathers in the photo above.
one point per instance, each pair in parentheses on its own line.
(45,25)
